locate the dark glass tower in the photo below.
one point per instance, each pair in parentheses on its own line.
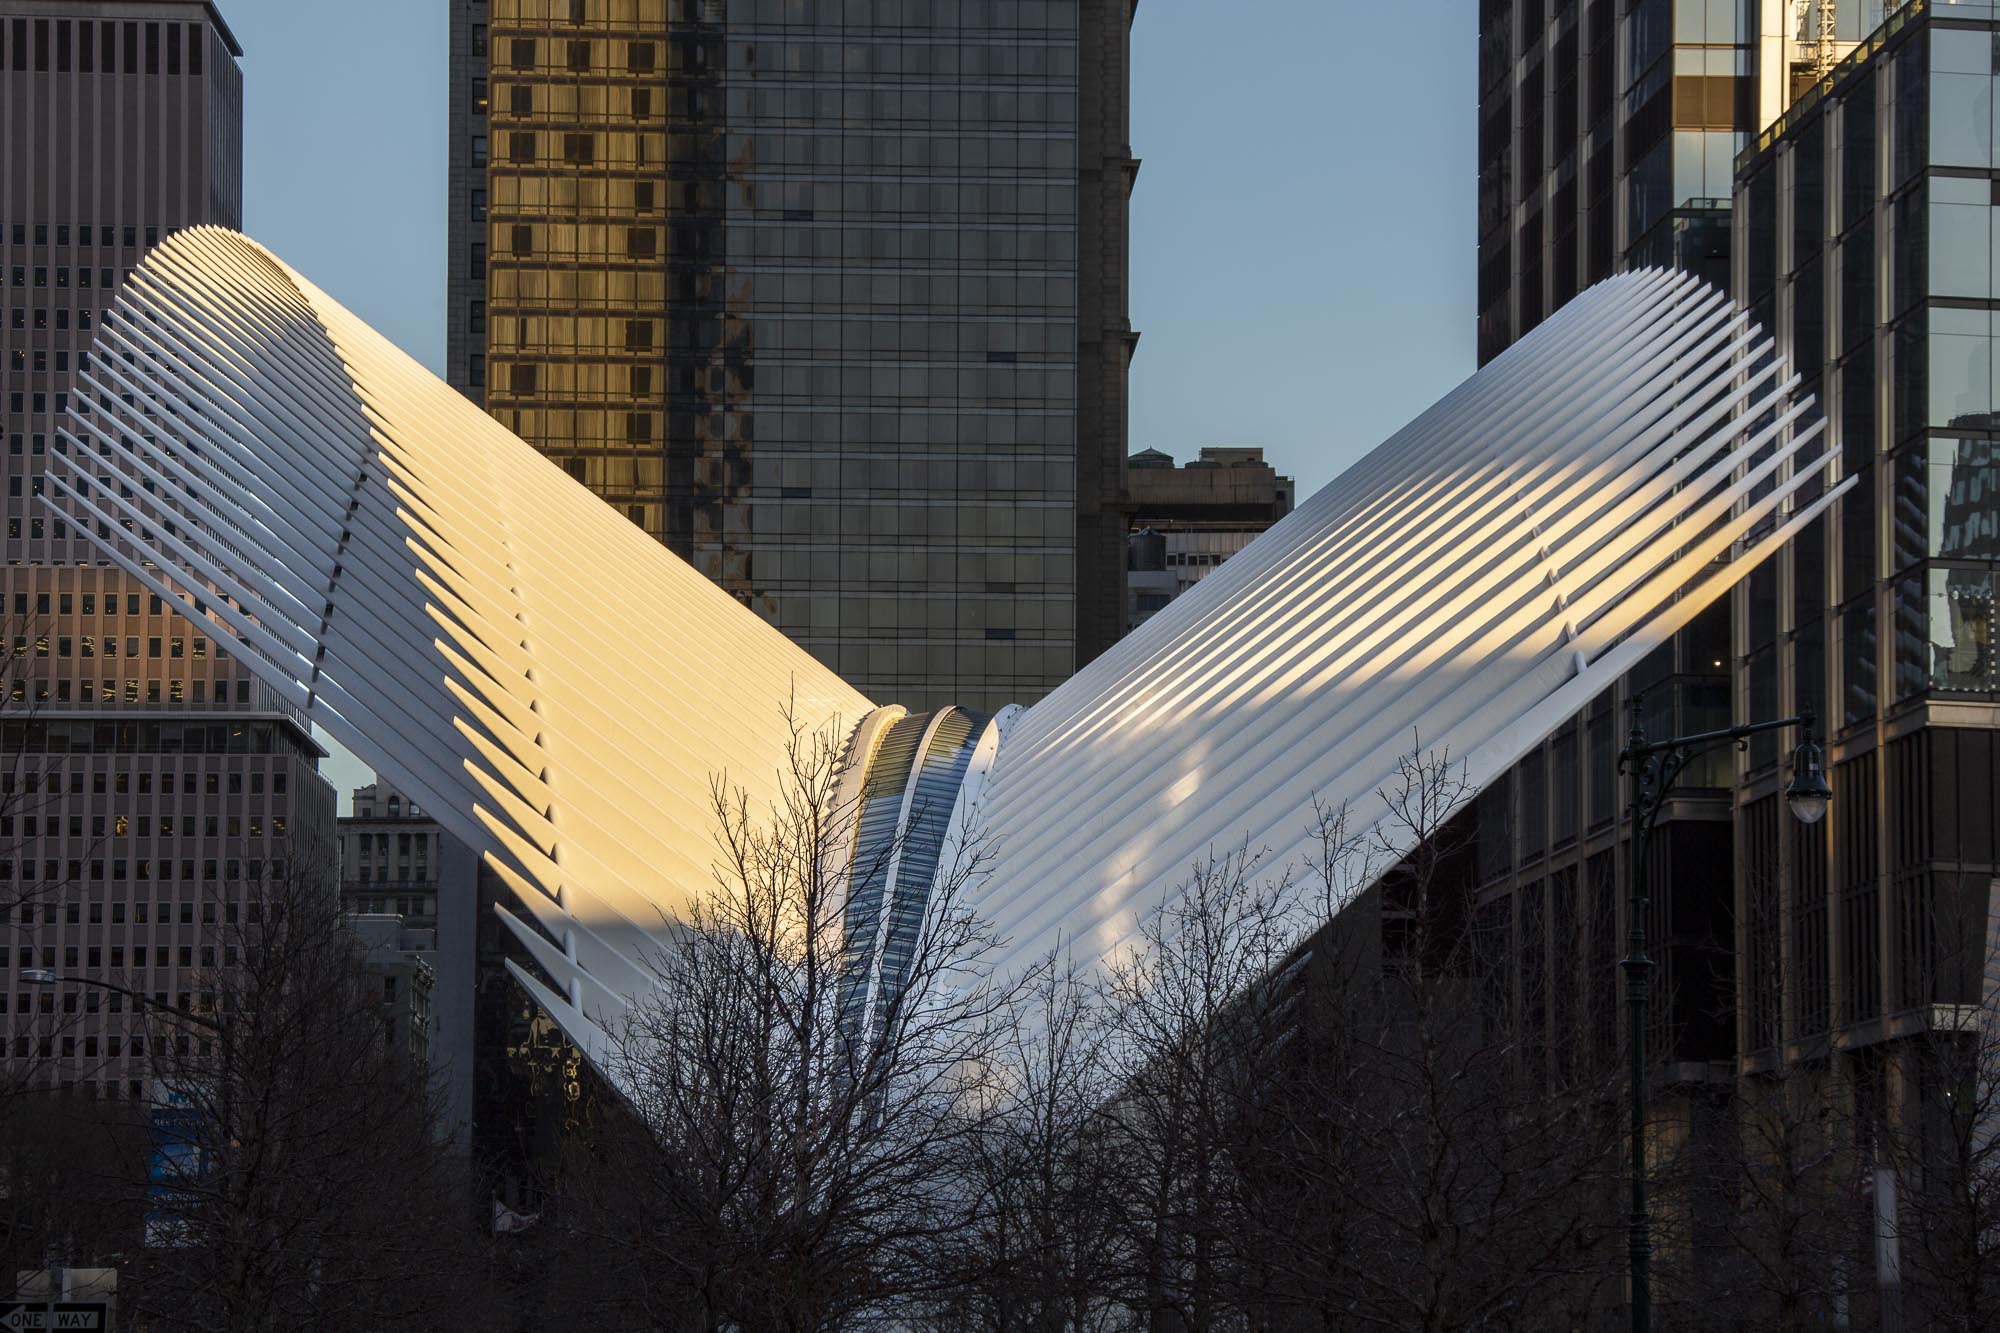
(829,299)
(1866,235)
(1608,134)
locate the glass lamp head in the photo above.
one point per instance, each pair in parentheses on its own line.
(1807,792)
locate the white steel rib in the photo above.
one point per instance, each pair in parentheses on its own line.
(553,684)
(560,690)
(1476,579)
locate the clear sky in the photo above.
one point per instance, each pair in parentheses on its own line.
(1302,226)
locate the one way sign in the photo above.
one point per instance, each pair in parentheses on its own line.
(80,1316)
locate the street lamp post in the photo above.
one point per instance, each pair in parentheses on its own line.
(1654,767)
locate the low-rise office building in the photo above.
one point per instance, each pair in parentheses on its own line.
(1187,520)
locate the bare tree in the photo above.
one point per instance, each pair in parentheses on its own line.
(300,1174)
(1782,1200)
(1422,1161)
(1041,1251)
(1195,1023)
(1939,1148)
(802,1100)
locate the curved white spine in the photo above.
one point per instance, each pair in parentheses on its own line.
(553,683)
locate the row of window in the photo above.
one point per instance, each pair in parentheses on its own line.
(80,736)
(365,839)
(884,18)
(105,277)
(231,913)
(92,956)
(173,690)
(19,403)
(580,55)
(412,906)
(124,782)
(381,875)
(18,319)
(127,236)
(18,361)
(140,826)
(227,869)
(64,604)
(86,645)
(105,47)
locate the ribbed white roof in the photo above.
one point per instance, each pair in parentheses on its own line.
(553,684)
(1474,580)
(559,690)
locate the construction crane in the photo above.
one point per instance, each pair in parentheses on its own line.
(1813,25)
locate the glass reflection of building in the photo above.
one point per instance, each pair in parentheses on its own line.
(1608,135)
(829,299)
(1860,230)
(1866,234)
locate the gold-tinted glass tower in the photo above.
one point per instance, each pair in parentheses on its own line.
(830,299)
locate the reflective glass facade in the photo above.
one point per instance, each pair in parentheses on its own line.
(1608,134)
(818,295)
(1866,231)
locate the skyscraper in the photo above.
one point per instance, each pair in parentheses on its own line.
(831,300)
(1865,229)
(1608,135)
(1857,224)
(1608,140)
(150,780)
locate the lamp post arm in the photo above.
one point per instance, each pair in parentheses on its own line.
(148,1001)
(1707,740)
(1657,765)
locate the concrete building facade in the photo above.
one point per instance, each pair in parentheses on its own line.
(411,891)
(1187,520)
(830,300)
(152,782)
